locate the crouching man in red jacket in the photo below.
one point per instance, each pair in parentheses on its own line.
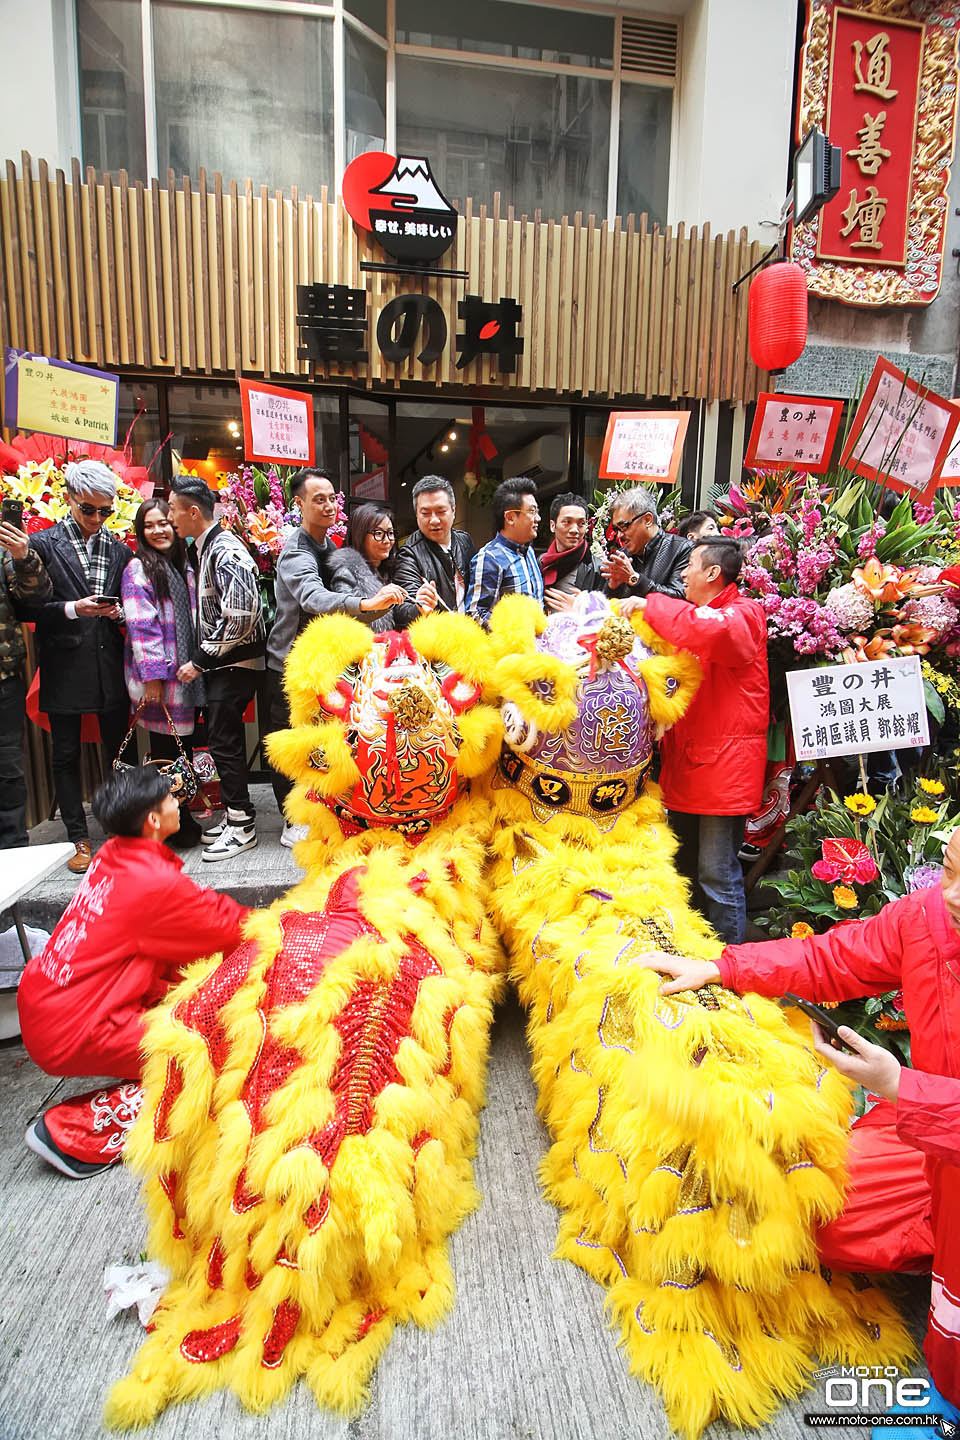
(903,1204)
(121,943)
(714,759)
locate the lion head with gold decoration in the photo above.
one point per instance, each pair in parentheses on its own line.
(386,729)
(584,695)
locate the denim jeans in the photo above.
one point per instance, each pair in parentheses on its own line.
(708,858)
(13,790)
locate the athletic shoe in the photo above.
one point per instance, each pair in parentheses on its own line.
(40,1141)
(291,835)
(211,836)
(233,841)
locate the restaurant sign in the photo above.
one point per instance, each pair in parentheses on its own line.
(397,199)
(883,86)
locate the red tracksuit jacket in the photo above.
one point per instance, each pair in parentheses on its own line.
(910,944)
(135,920)
(715,757)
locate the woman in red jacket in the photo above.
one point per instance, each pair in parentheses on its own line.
(121,943)
(903,1203)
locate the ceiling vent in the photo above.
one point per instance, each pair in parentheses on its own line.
(649,47)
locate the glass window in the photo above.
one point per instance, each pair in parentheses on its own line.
(541,140)
(206,425)
(246,93)
(138,427)
(371,12)
(365,98)
(111,86)
(644,172)
(496,27)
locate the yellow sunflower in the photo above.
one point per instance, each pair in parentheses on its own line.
(860,804)
(923,815)
(801,930)
(931,787)
(845,898)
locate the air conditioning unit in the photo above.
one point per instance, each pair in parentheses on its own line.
(543,459)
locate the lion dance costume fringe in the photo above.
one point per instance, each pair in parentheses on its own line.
(311,1098)
(697,1141)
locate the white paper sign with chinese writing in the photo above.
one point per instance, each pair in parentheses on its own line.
(793,432)
(643,445)
(277,424)
(853,709)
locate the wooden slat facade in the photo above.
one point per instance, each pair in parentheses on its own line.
(200,280)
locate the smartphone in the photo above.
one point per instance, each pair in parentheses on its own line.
(827,1023)
(11,512)
(107,599)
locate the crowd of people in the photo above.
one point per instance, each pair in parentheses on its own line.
(177,625)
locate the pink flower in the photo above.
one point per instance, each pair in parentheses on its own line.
(825,870)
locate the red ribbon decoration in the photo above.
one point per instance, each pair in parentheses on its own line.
(589,643)
(480,442)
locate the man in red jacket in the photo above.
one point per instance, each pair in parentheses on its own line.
(714,759)
(121,943)
(903,1201)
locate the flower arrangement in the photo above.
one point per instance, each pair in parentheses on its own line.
(41,486)
(846,858)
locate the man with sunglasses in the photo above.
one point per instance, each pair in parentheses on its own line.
(78,637)
(644,558)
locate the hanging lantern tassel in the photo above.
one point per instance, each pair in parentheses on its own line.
(777,316)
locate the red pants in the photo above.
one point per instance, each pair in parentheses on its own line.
(93,1126)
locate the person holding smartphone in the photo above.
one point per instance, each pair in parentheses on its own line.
(79,639)
(902,1209)
(23,579)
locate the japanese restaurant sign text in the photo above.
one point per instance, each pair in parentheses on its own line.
(277,424)
(901,434)
(644,445)
(853,709)
(793,432)
(55,398)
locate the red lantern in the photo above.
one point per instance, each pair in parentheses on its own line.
(777,311)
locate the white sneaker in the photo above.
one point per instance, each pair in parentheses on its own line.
(291,835)
(233,841)
(214,833)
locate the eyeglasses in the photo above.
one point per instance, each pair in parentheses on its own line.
(382,535)
(102,510)
(624,526)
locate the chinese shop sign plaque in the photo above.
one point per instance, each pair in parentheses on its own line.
(880,79)
(793,432)
(854,709)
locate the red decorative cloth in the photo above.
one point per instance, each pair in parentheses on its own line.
(92,1127)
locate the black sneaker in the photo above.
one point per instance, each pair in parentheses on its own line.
(41,1142)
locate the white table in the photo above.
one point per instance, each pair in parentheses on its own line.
(24,867)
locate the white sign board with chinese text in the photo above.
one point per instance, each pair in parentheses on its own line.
(901,434)
(277,424)
(853,709)
(644,445)
(793,432)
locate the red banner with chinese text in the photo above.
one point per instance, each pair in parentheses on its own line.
(872,115)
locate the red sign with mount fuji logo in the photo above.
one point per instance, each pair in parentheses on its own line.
(397,199)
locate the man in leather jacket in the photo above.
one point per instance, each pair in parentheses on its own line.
(433,565)
(647,558)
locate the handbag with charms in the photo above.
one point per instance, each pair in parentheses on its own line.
(185,783)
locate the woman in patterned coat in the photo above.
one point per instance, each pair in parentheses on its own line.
(160,607)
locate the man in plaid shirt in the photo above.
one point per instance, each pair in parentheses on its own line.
(506,565)
(231,639)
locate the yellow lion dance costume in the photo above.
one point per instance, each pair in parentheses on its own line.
(698,1142)
(310,1099)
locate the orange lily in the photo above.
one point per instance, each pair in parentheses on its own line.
(913,639)
(883,582)
(262,529)
(860,648)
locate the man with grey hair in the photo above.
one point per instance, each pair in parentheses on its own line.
(434,563)
(645,558)
(78,637)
